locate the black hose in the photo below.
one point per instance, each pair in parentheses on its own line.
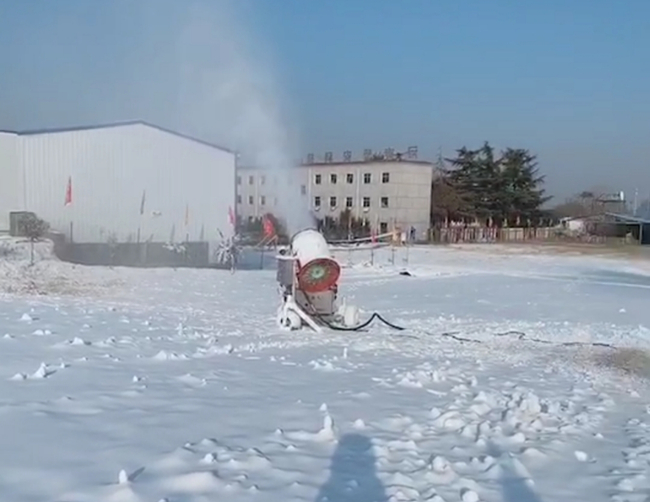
(456,336)
(359,327)
(364,324)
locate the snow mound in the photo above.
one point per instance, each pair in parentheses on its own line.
(326,434)
(47,275)
(163,355)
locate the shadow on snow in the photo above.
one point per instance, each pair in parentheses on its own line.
(353,477)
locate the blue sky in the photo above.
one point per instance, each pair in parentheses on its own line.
(568,79)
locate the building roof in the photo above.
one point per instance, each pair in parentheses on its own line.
(369,161)
(629,218)
(575,218)
(350,163)
(31,132)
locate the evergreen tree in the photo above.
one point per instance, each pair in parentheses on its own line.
(475,177)
(502,189)
(522,194)
(446,202)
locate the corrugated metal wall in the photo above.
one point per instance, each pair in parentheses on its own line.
(11,189)
(111,167)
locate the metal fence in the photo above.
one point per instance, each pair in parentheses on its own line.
(131,254)
(157,254)
(458,235)
(200,254)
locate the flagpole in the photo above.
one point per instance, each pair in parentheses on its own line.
(187,223)
(232,220)
(140,219)
(68,202)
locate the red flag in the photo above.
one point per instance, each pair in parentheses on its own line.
(269,229)
(231,216)
(68,192)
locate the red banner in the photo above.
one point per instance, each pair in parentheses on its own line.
(269,228)
(231,216)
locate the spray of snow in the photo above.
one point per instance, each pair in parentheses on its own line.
(228,88)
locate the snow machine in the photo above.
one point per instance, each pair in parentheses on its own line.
(308,279)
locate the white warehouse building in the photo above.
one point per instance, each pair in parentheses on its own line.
(124,181)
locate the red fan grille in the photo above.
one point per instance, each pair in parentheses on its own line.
(318,275)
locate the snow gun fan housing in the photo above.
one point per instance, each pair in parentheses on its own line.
(317,271)
(308,277)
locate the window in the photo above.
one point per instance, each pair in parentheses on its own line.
(367,178)
(239,180)
(385,177)
(332,202)
(366,202)
(251,180)
(333,178)
(317,179)
(303,190)
(349,178)
(262,200)
(383,227)
(262,180)
(239,199)
(250,200)
(317,202)
(384,202)
(349,202)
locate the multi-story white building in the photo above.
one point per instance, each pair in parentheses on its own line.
(386,193)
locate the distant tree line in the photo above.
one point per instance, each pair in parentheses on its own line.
(593,202)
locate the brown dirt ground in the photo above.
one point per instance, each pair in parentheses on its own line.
(631,361)
(630,251)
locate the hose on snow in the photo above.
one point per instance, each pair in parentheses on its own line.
(364,324)
(457,336)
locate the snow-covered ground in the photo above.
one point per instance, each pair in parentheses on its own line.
(149,385)
(47,275)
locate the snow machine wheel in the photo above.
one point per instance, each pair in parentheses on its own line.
(289,321)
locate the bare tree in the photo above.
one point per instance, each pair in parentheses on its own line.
(34,229)
(112,242)
(593,202)
(571,209)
